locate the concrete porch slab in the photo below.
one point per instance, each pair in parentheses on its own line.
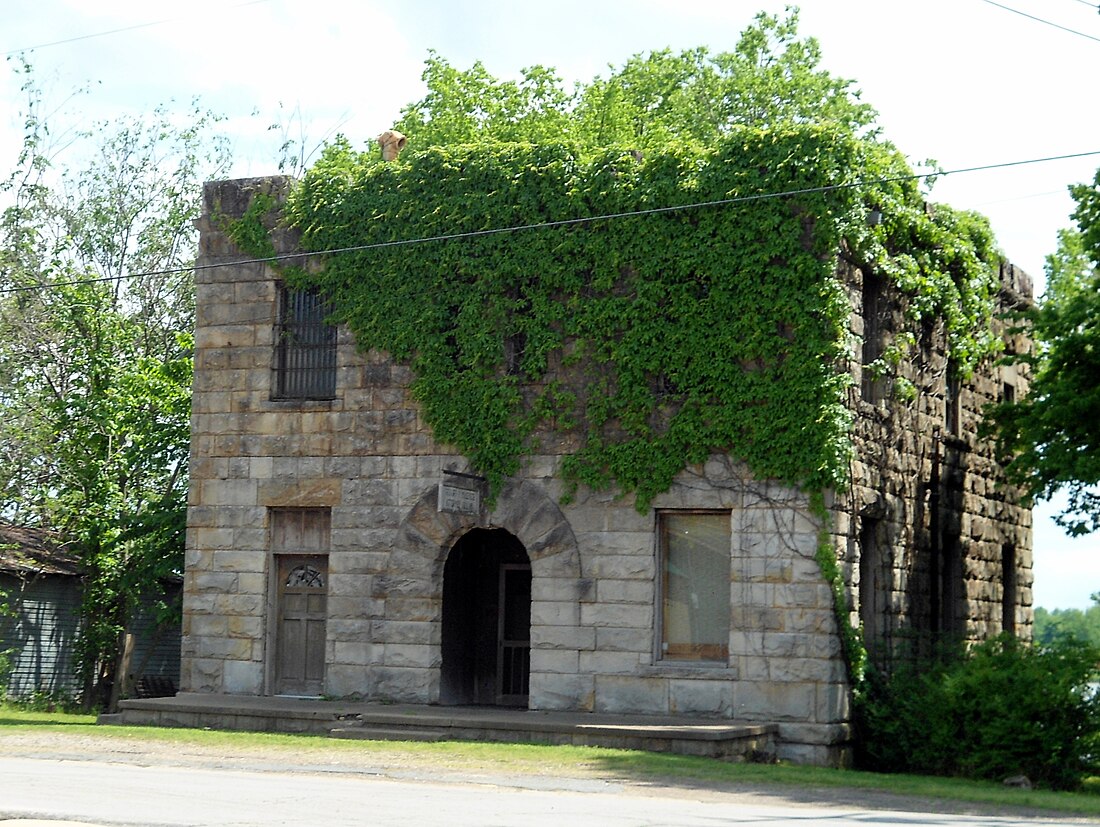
(716,738)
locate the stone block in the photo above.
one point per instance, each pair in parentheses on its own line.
(554,613)
(202,675)
(834,701)
(230,649)
(612,639)
(241,626)
(563,637)
(599,662)
(242,677)
(622,615)
(411,655)
(224,336)
(250,539)
(617,566)
(351,681)
(562,589)
(348,521)
(563,564)
(812,621)
(213,581)
(619,543)
(561,691)
(208,626)
(198,604)
(351,608)
(414,608)
(787,645)
(357,653)
(239,605)
(251,583)
(624,591)
(229,492)
(238,561)
(774,701)
(345,585)
(563,661)
(591,520)
(405,685)
(701,697)
(398,631)
(300,493)
(620,693)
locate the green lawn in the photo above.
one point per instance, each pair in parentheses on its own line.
(585,762)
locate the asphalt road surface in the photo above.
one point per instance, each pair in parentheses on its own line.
(49,791)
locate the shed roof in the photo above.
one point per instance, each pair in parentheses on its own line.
(29,551)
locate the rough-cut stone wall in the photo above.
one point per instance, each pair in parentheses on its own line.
(928,497)
(369,459)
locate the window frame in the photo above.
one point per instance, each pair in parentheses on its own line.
(304,358)
(689,653)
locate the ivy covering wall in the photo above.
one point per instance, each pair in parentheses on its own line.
(636,342)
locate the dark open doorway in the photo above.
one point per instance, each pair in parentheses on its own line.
(486,620)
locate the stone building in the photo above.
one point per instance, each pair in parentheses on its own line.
(335,548)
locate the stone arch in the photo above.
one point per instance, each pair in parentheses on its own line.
(411,586)
(523,508)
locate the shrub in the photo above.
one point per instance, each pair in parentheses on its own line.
(1003,708)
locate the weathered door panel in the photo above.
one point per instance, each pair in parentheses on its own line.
(302,611)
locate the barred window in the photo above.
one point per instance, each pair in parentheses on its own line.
(305,347)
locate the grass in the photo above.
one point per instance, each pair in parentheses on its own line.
(585,762)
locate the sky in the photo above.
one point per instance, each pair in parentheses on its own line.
(967,83)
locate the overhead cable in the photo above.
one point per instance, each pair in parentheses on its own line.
(116,31)
(567,222)
(1041,20)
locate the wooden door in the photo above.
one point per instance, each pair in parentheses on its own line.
(300,634)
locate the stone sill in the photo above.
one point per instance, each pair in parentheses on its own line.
(305,405)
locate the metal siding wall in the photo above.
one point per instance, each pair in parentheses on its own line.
(41,635)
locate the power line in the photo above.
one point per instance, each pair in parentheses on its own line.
(1041,20)
(118,31)
(567,222)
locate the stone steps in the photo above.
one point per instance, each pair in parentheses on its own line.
(714,738)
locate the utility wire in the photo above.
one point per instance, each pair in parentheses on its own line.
(567,222)
(1041,20)
(117,31)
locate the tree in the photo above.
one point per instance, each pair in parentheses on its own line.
(771,77)
(1052,434)
(95,355)
(1052,626)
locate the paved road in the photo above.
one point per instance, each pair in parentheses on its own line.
(123,795)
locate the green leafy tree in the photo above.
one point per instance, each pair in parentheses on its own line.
(1053,433)
(95,355)
(772,77)
(640,306)
(1052,626)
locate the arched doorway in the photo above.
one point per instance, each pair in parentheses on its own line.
(486,643)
